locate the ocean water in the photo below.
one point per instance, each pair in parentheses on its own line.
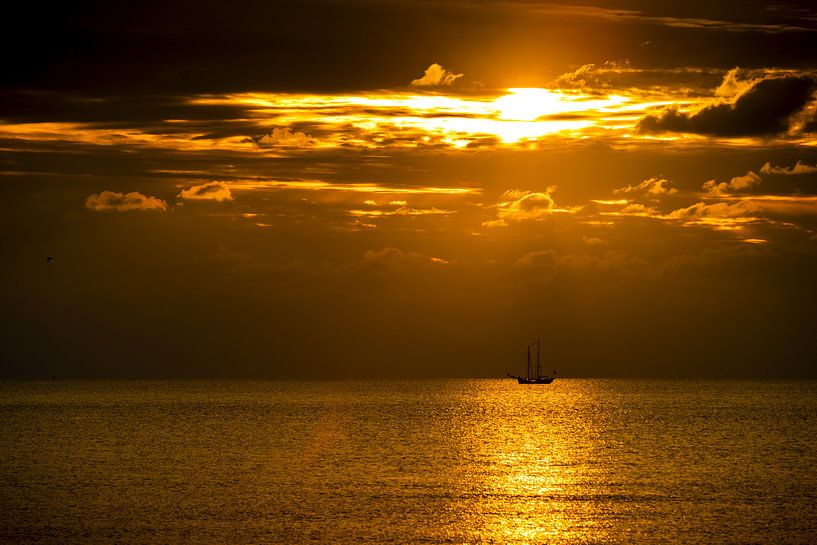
(450,461)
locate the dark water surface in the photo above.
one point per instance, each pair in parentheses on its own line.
(454,461)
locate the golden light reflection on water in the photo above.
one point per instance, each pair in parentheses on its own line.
(455,461)
(535,464)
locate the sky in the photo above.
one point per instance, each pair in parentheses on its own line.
(399,189)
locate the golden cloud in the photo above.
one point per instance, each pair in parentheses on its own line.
(123,202)
(526,205)
(211,191)
(400,211)
(284,137)
(738,183)
(798,168)
(436,76)
(653,187)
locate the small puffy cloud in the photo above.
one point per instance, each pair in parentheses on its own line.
(746,181)
(594,241)
(798,168)
(653,187)
(738,183)
(526,205)
(762,107)
(284,137)
(637,209)
(123,202)
(211,191)
(436,76)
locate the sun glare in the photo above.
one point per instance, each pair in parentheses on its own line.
(528,104)
(292,121)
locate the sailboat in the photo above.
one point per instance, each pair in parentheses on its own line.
(538,378)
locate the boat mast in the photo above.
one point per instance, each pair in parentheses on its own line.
(538,365)
(527,369)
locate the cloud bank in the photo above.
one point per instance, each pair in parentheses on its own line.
(762,108)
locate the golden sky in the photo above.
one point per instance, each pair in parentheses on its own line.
(242,193)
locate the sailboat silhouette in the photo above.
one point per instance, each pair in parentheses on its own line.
(538,378)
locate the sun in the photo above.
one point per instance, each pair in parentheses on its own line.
(528,104)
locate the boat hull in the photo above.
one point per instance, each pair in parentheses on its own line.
(532,380)
(540,380)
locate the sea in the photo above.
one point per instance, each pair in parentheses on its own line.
(580,461)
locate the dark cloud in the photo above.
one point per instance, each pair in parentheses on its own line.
(32,106)
(764,109)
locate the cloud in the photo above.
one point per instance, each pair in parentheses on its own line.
(548,263)
(720,216)
(436,76)
(594,241)
(593,76)
(526,205)
(284,137)
(398,208)
(637,210)
(211,191)
(624,78)
(390,255)
(738,183)
(733,86)
(588,75)
(518,205)
(798,168)
(653,187)
(567,11)
(762,108)
(386,261)
(123,202)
